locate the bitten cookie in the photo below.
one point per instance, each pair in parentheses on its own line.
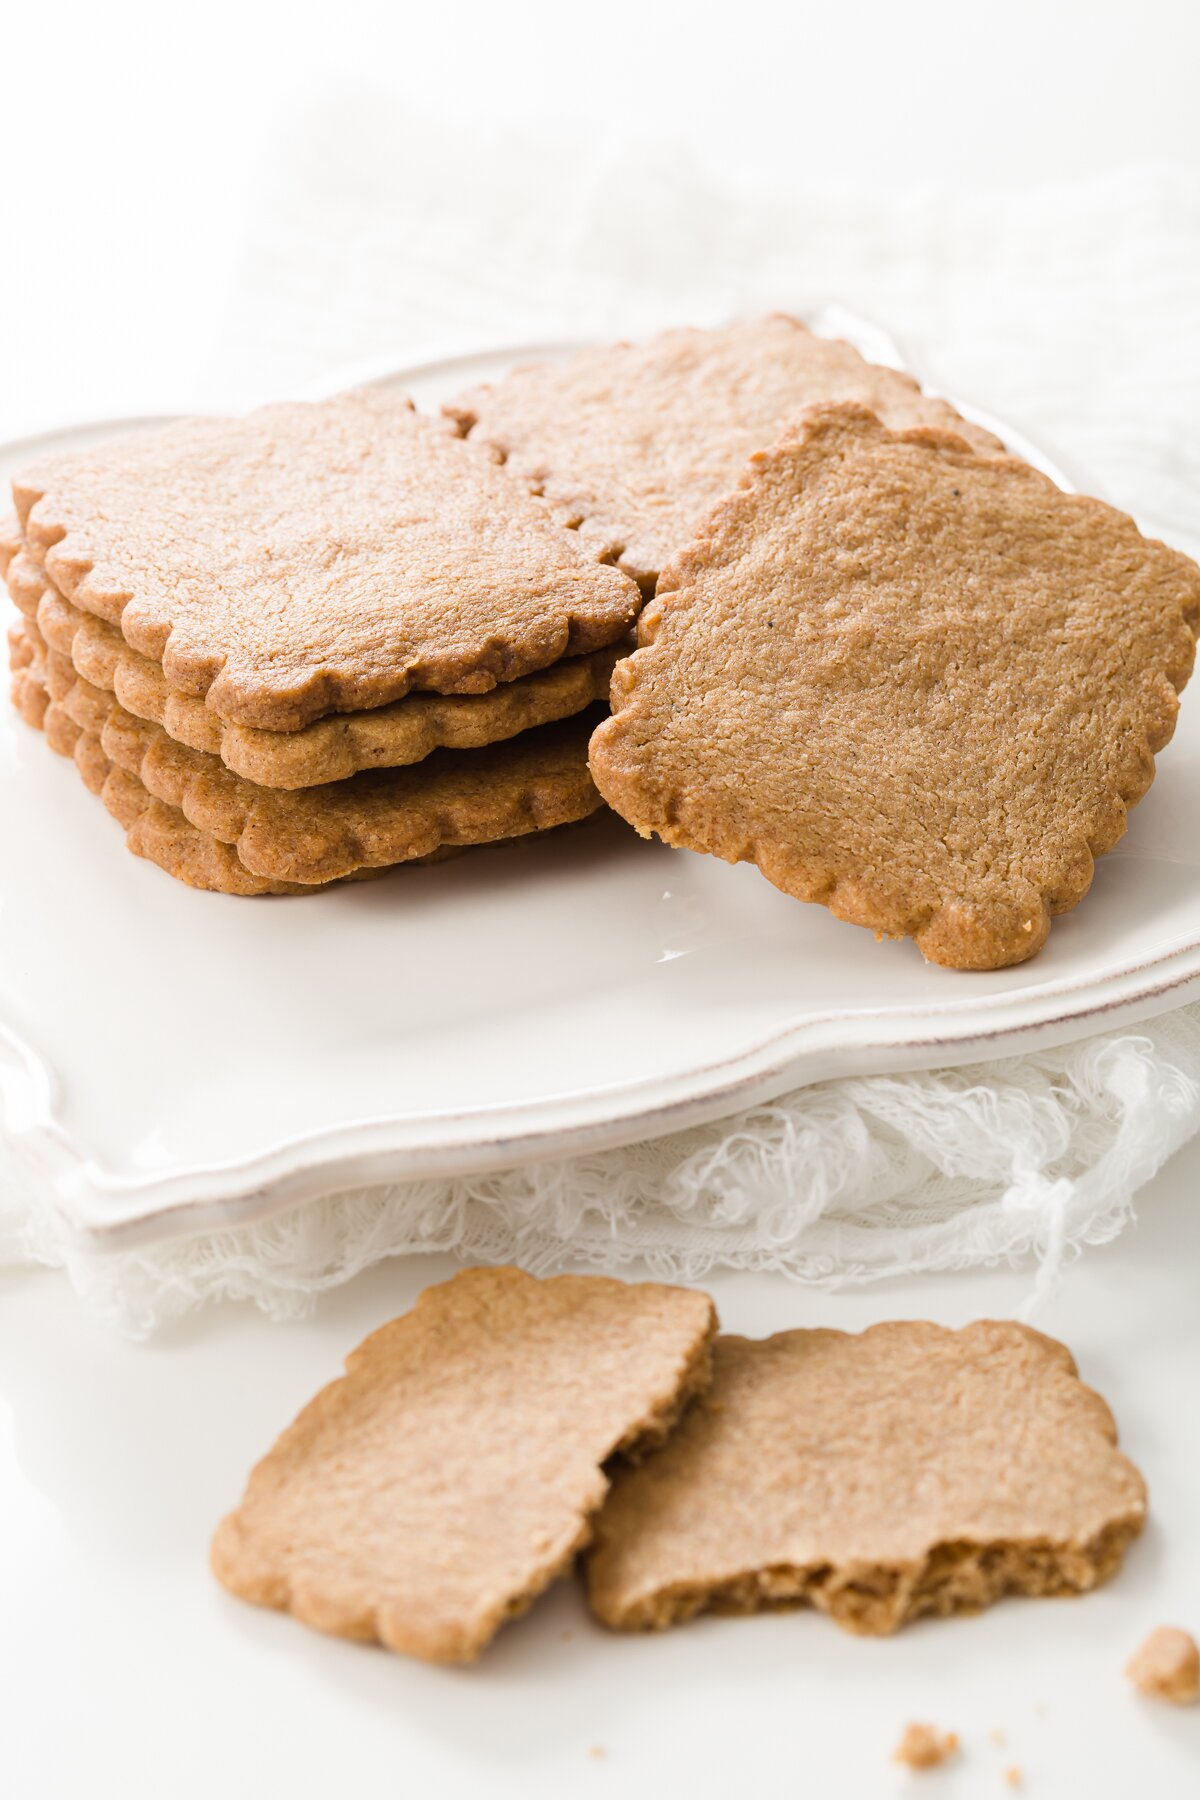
(452,1473)
(919,686)
(907,1471)
(634,443)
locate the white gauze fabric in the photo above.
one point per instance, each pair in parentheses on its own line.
(843,1181)
(376,240)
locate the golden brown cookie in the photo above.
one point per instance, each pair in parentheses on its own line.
(27,664)
(90,707)
(75,721)
(531,783)
(386,737)
(10,541)
(919,686)
(316,559)
(906,1471)
(162,835)
(25,646)
(26,582)
(452,1473)
(61,732)
(333,748)
(635,443)
(153,830)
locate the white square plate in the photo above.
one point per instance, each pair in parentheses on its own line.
(172,1059)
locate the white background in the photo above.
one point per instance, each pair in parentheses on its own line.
(131,140)
(132,133)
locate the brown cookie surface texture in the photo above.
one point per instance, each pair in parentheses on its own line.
(445,1480)
(634,443)
(332,748)
(311,559)
(909,1470)
(919,686)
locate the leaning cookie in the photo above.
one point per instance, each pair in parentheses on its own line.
(920,686)
(452,1473)
(905,1472)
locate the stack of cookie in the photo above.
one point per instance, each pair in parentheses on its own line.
(276,647)
(310,644)
(893,666)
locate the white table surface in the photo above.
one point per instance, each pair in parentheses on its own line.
(125,1671)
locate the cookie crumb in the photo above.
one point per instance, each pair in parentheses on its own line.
(1013,1776)
(996,1735)
(597,1752)
(1167,1666)
(925,1747)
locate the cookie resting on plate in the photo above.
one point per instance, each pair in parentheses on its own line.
(634,443)
(335,827)
(920,686)
(311,559)
(331,748)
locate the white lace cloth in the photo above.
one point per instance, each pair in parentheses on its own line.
(1072,310)
(845,1181)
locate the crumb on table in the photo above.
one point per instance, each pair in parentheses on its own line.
(1167,1666)
(1013,1776)
(925,1747)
